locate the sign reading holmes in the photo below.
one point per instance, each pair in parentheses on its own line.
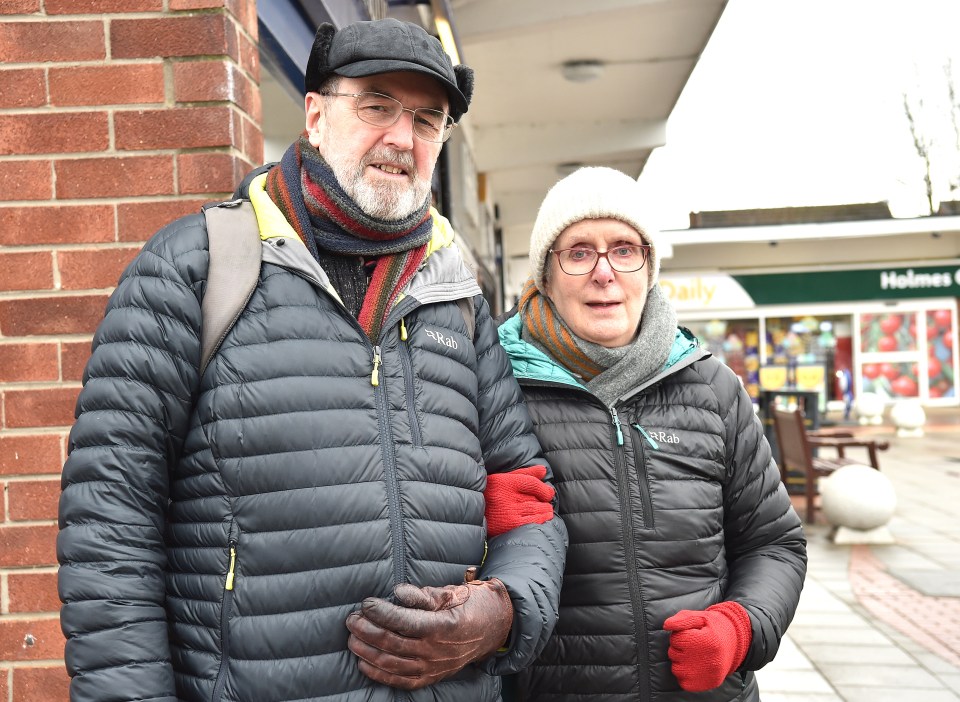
(722,291)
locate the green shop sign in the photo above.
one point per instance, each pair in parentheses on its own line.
(860,284)
(706,291)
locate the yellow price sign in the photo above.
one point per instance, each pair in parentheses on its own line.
(773,377)
(810,377)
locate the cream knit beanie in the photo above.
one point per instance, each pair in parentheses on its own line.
(589,193)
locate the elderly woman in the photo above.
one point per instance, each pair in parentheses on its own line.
(686,559)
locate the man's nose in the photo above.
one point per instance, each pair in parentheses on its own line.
(400,133)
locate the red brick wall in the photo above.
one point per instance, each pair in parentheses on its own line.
(115,117)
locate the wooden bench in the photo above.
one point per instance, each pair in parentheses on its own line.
(797,443)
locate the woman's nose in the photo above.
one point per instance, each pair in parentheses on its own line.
(602,272)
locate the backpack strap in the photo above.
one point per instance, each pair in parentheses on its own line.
(235,251)
(466,309)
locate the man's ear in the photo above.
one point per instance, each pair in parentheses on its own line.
(315,109)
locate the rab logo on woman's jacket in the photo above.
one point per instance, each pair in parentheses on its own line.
(664,437)
(441,339)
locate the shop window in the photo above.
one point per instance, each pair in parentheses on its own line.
(888,333)
(736,344)
(809,353)
(940,369)
(891,379)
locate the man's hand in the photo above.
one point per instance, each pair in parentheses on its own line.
(431,633)
(706,646)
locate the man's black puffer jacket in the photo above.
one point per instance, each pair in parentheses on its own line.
(217,530)
(672,502)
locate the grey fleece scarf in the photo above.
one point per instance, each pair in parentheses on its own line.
(629,366)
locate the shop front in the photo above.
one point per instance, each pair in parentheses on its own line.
(890,331)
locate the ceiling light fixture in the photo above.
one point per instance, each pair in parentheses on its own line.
(565,169)
(582,71)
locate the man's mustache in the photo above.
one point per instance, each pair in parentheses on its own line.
(403,159)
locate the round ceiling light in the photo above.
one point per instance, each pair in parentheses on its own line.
(582,71)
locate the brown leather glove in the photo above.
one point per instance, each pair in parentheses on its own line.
(431,633)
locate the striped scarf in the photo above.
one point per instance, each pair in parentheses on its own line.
(542,323)
(306,191)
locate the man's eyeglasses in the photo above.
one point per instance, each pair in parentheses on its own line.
(384,111)
(582,260)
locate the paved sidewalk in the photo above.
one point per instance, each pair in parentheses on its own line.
(881,623)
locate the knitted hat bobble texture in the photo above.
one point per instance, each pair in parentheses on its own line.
(589,193)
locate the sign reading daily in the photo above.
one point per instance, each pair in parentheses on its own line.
(721,291)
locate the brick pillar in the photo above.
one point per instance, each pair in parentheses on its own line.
(116,116)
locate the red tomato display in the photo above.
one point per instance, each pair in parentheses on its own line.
(871,370)
(904,386)
(933,367)
(942,318)
(887,343)
(890,323)
(889,371)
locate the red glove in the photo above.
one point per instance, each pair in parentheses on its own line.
(517,498)
(706,646)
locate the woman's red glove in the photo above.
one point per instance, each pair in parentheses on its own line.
(517,498)
(706,646)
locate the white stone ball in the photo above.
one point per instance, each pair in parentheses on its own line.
(908,414)
(869,405)
(857,497)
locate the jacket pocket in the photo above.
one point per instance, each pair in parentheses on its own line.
(642,440)
(225,611)
(409,390)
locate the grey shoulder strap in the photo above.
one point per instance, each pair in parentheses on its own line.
(466,309)
(235,251)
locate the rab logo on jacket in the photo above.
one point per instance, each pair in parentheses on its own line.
(441,339)
(665,437)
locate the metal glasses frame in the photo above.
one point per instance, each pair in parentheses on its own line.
(445,134)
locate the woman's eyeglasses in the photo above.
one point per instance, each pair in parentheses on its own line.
(581,260)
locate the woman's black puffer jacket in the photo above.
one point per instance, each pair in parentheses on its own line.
(672,501)
(217,530)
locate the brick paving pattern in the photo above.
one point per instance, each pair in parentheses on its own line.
(933,622)
(881,622)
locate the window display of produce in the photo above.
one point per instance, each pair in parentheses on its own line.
(940,369)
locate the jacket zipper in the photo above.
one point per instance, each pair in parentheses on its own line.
(225,610)
(389,469)
(616,425)
(642,478)
(630,556)
(406,360)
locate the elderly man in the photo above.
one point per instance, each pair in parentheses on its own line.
(304,517)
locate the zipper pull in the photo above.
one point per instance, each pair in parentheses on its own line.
(616,423)
(403,330)
(233,563)
(375,376)
(646,436)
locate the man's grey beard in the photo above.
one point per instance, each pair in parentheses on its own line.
(382,200)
